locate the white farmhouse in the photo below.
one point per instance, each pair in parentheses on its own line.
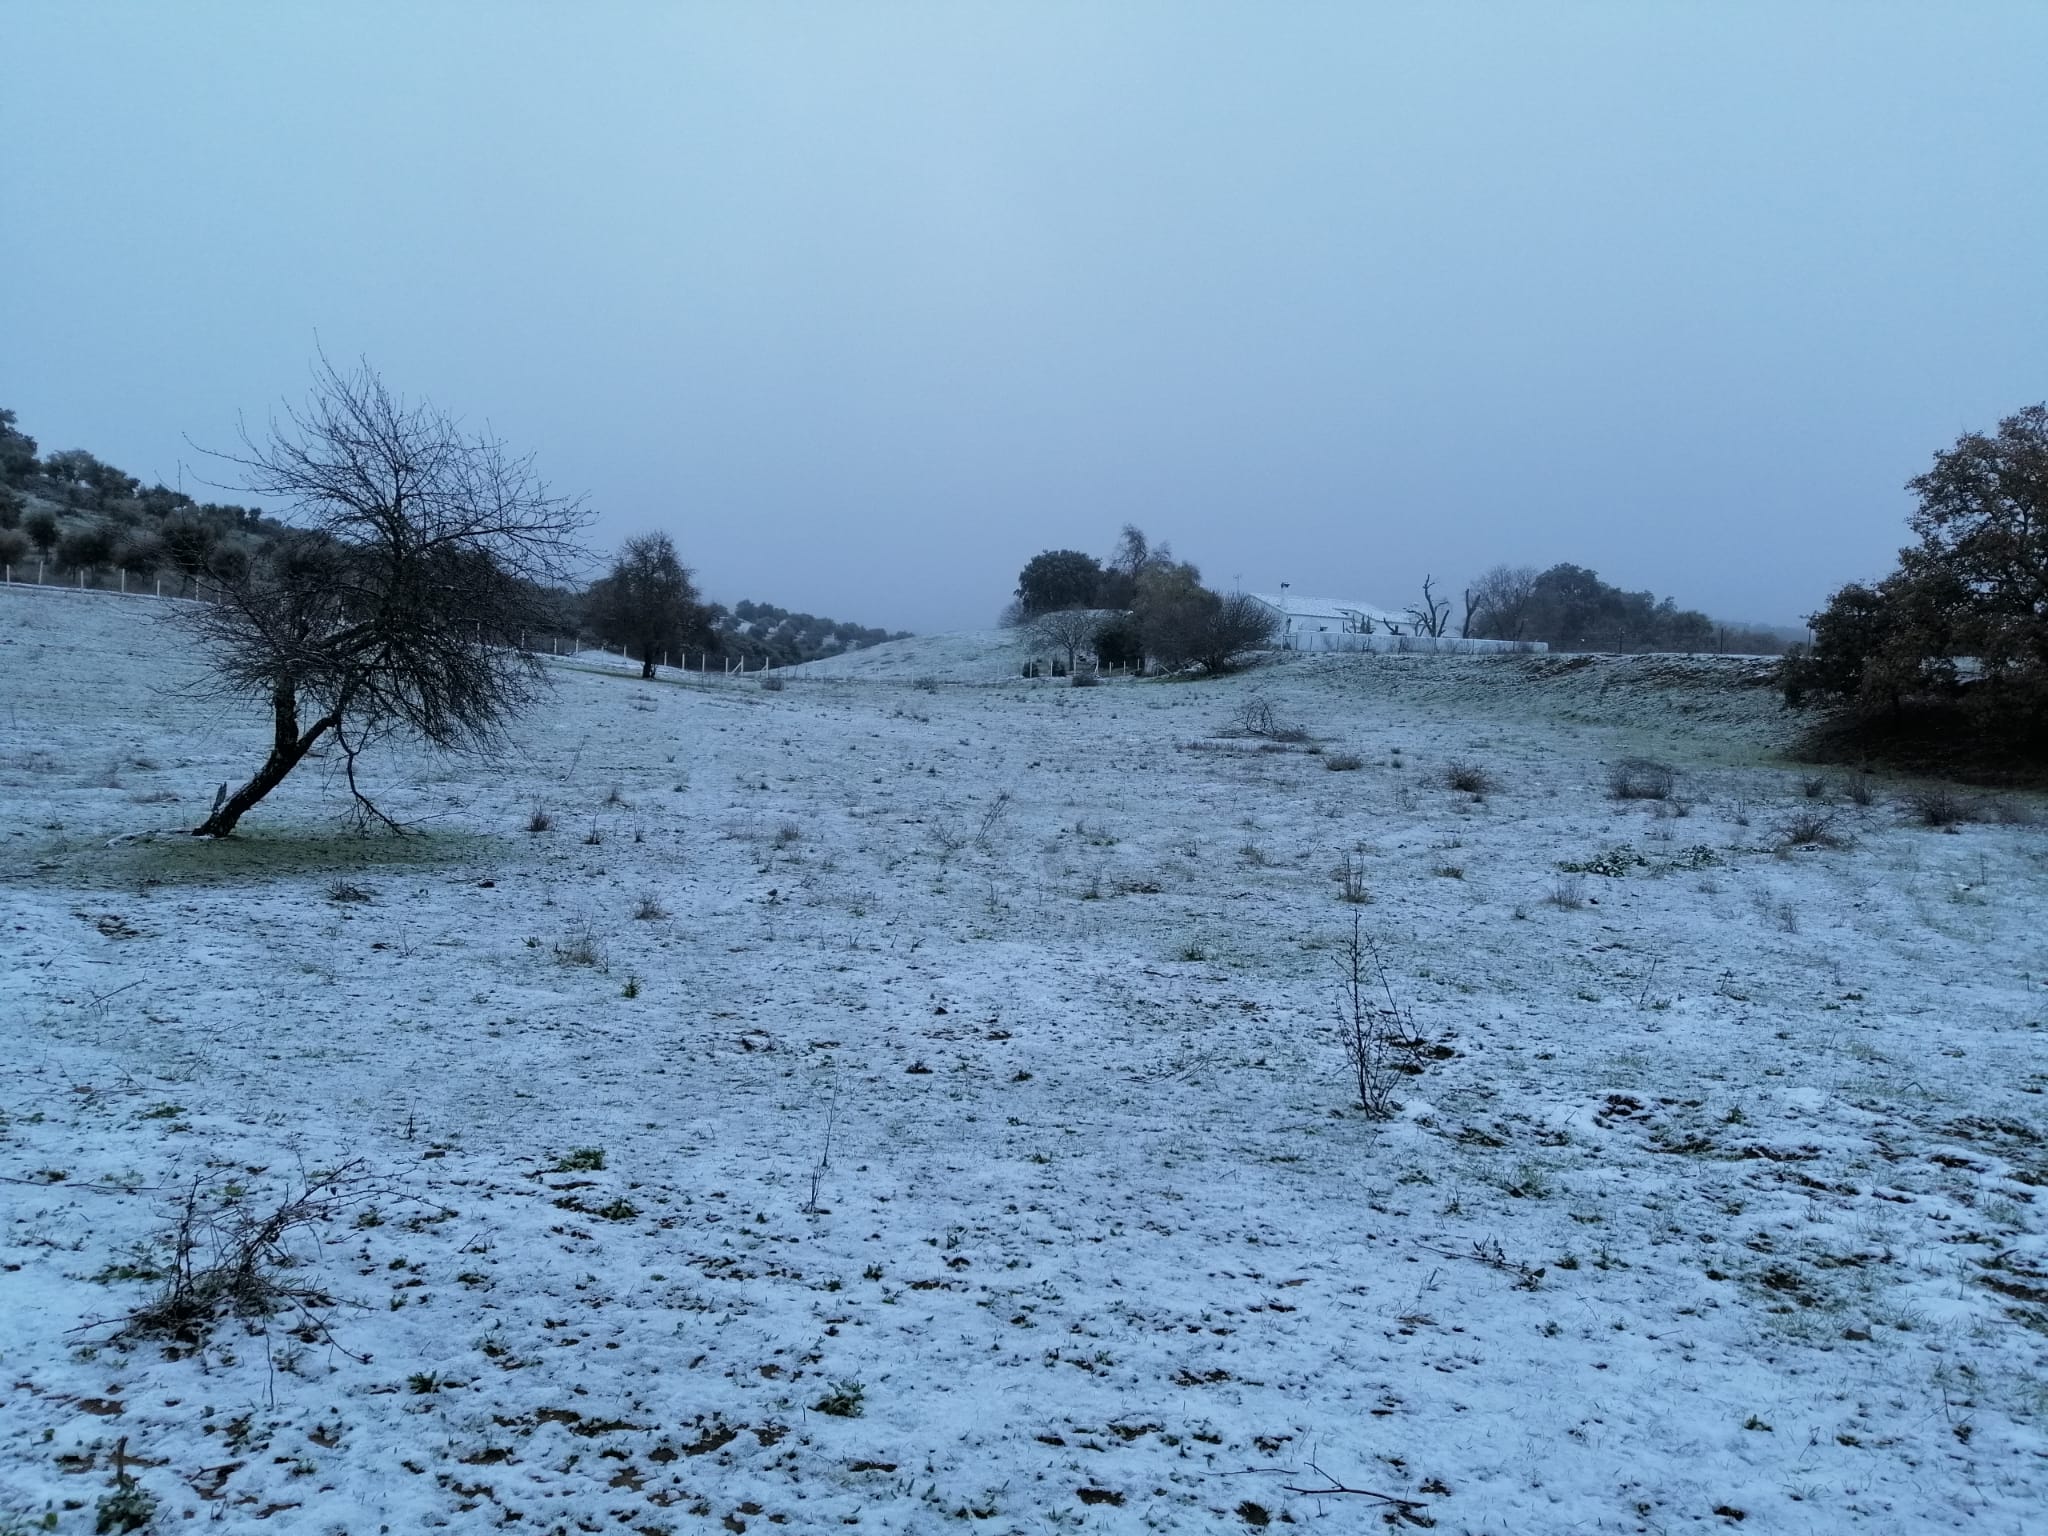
(1348,624)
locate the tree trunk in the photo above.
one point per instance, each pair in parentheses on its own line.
(288,748)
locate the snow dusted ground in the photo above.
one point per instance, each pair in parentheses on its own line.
(974,656)
(960,1059)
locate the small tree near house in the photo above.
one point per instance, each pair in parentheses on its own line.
(416,555)
(1069,631)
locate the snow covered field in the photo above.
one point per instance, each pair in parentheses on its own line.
(911,1108)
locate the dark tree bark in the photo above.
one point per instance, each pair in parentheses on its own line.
(288,748)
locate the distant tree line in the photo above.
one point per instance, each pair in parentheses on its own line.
(1572,609)
(764,632)
(1138,607)
(648,603)
(79,515)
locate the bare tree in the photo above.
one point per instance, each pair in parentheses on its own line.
(648,602)
(1434,613)
(418,553)
(1071,630)
(1135,554)
(1501,604)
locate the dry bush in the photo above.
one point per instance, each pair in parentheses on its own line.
(1375,1027)
(228,1259)
(1351,877)
(1810,829)
(649,909)
(579,946)
(1468,778)
(1860,791)
(1568,892)
(1937,805)
(1343,762)
(771,683)
(540,821)
(1641,778)
(1254,717)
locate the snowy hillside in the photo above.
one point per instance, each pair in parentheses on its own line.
(971,656)
(868,1107)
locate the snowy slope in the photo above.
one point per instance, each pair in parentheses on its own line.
(972,656)
(977,1073)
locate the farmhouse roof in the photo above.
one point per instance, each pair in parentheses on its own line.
(1292,606)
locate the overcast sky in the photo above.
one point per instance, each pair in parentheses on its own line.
(865,304)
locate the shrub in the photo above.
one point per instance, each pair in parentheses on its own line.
(844,1401)
(227,1258)
(1375,1027)
(1255,717)
(772,682)
(1937,805)
(1468,778)
(1085,680)
(539,820)
(1810,829)
(579,947)
(1567,891)
(1641,778)
(14,546)
(1343,762)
